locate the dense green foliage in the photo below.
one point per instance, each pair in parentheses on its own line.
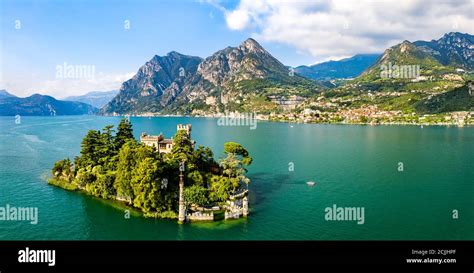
(458,99)
(116,166)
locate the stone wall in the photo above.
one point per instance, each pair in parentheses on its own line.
(200,216)
(237,206)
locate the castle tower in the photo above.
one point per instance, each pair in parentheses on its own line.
(245,206)
(185,127)
(182,209)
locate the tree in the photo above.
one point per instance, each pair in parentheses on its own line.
(219,188)
(145,185)
(239,151)
(104,183)
(196,177)
(126,163)
(205,159)
(62,168)
(234,164)
(89,144)
(124,133)
(196,194)
(106,149)
(231,166)
(129,157)
(182,150)
(85,176)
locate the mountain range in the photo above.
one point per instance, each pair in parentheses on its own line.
(441,63)
(232,79)
(95,98)
(40,105)
(4,94)
(248,78)
(342,69)
(453,49)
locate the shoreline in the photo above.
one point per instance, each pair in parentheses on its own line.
(114,202)
(124,205)
(291,122)
(269,120)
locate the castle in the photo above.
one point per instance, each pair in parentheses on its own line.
(162,144)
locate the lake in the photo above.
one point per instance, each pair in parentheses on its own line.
(413,183)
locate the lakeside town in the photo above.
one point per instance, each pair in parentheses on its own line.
(368,115)
(333,113)
(366,109)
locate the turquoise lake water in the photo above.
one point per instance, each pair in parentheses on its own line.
(353,166)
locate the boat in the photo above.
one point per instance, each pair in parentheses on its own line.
(311,183)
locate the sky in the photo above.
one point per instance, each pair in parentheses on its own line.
(64,48)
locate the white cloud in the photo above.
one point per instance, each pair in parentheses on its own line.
(237,19)
(339,28)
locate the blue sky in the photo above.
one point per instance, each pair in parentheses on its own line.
(93,33)
(37,36)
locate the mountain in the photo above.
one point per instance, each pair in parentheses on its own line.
(247,78)
(95,98)
(155,85)
(406,66)
(453,49)
(233,79)
(458,99)
(39,105)
(4,94)
(407,55)
(435,59)
(342,69)
(422,77)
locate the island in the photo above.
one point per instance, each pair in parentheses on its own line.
(162,178)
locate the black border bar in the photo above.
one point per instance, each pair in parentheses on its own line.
(237,256)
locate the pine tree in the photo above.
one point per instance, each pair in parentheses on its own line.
(126,163)
(124,133)
(234,164)
(106,149)
(145,185)
(89,155)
